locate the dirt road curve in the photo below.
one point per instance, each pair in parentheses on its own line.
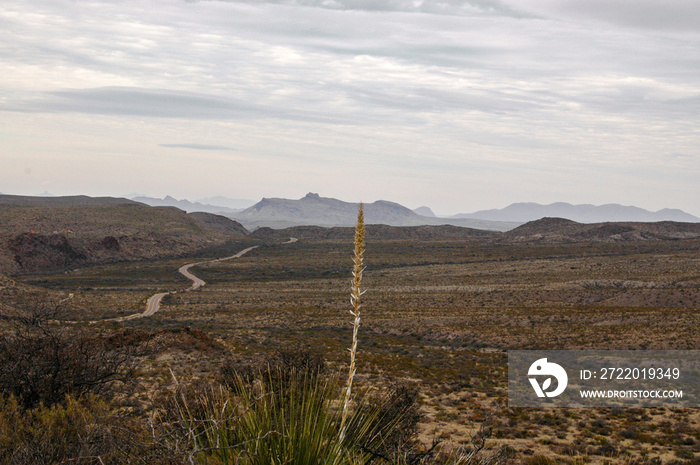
(196,282)
(153,304)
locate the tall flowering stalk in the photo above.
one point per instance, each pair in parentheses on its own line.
(355,294)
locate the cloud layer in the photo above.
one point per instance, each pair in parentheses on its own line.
(478,102)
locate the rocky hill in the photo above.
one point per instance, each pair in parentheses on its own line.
(222,224)
(523,212)
(51,234)
(563,230)
(314,210)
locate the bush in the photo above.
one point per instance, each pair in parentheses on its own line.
(399,407)
(41,363)
(278,366)
(539,460)
(86,431)
(79,429)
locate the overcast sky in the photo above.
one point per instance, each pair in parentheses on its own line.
(459,105)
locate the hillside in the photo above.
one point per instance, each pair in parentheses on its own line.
(548,230)
(222,224)
(523,212)
(314,210)
(66,201)
(378,232)
(51,234)
(562,230)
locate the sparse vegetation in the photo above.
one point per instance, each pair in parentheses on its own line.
(41,362)
(443,313)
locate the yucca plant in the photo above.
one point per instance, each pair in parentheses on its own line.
(301,424)
(355,295)
(204,421)
(279,419)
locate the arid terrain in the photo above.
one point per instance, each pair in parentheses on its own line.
(441,311)
(46,235)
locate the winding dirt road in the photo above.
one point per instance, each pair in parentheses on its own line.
(153,303)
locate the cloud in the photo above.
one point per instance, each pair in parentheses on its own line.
(160,103)
(143,102)
(442,7)
(196,146)
(668,15)
(291,60)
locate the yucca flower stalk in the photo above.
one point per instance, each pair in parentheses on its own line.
(355,295)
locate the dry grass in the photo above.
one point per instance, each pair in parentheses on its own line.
(443,314)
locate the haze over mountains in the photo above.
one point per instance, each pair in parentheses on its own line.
(220,205)
(314,210)
(524,212)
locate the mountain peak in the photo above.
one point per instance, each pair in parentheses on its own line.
(311,196)
(424,211)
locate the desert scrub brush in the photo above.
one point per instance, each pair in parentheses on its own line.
(355,295)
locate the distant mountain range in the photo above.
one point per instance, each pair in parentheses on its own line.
(43,234)
(524,212)
(219,205)
(234,204)
(314,210)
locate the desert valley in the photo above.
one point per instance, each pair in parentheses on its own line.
(443,305)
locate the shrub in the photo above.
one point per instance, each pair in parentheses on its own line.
(87,431)
(539,460)
(282,363)
(41,362)
(399,413)
(79,429)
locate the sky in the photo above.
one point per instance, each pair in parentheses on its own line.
(460,105)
